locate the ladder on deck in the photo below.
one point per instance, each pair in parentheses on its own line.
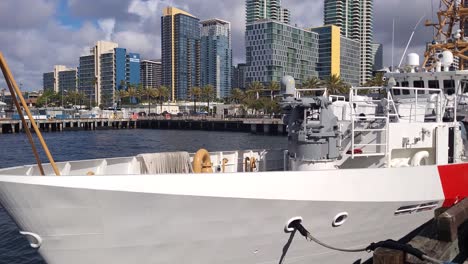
(381,147)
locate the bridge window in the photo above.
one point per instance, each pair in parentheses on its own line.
(419,84)
(449,84)
(396,91)
(464,86)
(405,84)
(434,84)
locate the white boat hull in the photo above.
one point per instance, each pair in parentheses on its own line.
(228,218)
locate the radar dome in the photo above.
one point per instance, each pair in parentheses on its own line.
(288,85)
(412,60)
(447,58)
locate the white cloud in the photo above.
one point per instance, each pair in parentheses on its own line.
(107,25)
(144,9)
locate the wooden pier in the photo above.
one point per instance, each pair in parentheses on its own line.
(445,238)
(256,126)
(16,126)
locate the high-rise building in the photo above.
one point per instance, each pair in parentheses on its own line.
(151,73)
(276,49)
(285,16)
(355,18)
(51,80)
(266,9)
(106,70)
(216,56)
(48,81)
(238,76)
(180,52)
(377,54)
(338,55)
(67,80)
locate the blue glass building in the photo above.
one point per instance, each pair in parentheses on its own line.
(216,56)
(180,44)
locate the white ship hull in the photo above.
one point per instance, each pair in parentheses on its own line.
(224,218)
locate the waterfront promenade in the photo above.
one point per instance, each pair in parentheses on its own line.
(254,125)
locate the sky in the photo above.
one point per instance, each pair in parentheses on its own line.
(35,35)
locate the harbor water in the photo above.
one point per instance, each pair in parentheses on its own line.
(15,151)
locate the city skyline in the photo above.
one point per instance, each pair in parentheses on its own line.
(60,31)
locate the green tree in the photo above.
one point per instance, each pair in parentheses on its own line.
(376,81)
(149,93)
(237,96)
(208,94)
(132,93)
(48,98)
(312,83)
(336,85)
(255,88)
(162,92)
(273,87)
(195,93)
(122,85)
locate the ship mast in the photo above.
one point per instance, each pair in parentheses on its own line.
(449,33)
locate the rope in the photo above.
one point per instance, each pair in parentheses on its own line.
(309,237)
(390,244)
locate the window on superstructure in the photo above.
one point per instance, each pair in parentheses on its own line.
(419,84)
(449,85)
(405,91)
(464,86)
(433,84)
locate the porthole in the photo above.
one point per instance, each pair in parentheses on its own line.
(340,219)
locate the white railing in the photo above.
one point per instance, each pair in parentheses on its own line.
(439,106)
(300,91)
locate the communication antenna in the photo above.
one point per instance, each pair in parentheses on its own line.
(410,39)
(393,43)
(449,33)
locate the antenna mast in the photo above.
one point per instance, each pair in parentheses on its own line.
(450,33)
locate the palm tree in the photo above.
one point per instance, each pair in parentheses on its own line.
(273,87)
(149,93)
(377,80)
(194,93)
(208,94)
(255,88)
(336,85)
(163,94)
(132,92)
(237,95)
(312,83)
(123,85)
(121,94)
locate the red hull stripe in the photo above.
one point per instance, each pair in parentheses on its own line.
(454,180)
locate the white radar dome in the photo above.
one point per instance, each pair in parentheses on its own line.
(447,58)
(288,85)
(412,59)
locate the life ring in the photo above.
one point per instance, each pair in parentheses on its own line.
(421,156)
(202,162)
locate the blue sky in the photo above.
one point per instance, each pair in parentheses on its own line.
(63,15)
(37,34)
